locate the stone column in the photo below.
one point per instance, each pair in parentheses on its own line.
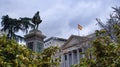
(78,56)
(72,57)
(62,60)
(83,55)
(68,60)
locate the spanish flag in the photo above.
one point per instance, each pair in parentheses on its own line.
(80,27)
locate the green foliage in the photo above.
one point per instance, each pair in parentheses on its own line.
(14,55)
(11,26)
(48,55)
(105,49)
(112,24)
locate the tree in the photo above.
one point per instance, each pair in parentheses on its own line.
(111,22)
(105,49)
(14,55)
(48,56)
(11,26)
(26,24)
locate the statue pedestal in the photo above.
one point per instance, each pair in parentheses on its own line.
(35,40)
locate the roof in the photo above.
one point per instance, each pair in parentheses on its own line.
(55,38)
(74,36)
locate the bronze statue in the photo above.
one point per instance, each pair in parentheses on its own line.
(36,20)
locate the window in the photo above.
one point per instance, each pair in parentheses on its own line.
(30,45)
(65,57)
(39,47)
(60,58)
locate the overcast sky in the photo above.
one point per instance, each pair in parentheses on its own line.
(60,17)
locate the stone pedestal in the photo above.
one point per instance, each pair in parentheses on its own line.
(35,40)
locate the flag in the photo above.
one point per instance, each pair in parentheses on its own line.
(79,27)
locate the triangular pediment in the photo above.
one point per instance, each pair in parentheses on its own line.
(72,41)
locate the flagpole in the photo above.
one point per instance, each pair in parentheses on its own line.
(78,32)
(79,28)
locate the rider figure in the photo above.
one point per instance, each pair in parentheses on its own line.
(36,20)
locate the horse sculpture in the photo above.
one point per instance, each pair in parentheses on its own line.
(36,20)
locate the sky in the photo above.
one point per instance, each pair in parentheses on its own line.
(61,17)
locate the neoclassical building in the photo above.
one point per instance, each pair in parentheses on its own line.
(72,50)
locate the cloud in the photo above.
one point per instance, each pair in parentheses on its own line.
(82,12)
(60,17)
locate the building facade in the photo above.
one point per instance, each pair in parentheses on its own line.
(72,50)
(54,41)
